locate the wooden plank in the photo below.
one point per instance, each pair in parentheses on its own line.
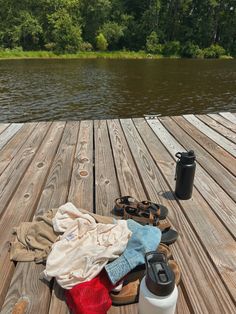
(127,174)
(228,124)
(54,194)
(207,226)
(6,135)
(58,304)
(199,276)
(11,177)
(106,186)
(10,150)
(229,116)
(221,203)
(130,184)
(3,126)
(152,180)
(128,309)
(216,137)
(81,188)
(218,127)
(187,250)
(227,160)
(25,200)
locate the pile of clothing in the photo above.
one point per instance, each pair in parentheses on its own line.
(89,255)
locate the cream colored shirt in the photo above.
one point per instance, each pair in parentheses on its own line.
(85,247)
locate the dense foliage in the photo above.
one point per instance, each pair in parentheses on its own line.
(191,28)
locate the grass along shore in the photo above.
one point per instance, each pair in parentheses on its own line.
(19,54)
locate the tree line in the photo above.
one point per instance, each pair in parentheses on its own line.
(190,28)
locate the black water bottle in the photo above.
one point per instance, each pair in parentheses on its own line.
(185,170)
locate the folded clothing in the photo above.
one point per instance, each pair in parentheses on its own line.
(85,248)
(144,239)
(90,297)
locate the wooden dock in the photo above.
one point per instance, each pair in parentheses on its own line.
(90,163)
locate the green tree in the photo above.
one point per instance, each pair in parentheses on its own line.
(101,42)
(64,33)
(113,32)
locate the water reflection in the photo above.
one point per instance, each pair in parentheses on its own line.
(37,90)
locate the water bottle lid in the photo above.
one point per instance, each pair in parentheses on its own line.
(186,157)
(160,279)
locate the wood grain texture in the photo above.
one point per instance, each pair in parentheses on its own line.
(216,137)
(228,124)
(3,126)
(127,173)
(63,163)
(8,133)
(208,227)
(25,199)
(13,174)
(151,177)
(199,276)
(10,150)
(81,187)
(208,183)
(228,161)
(229,116)
(218,127)
(107,189)
(26,279)
(53,195)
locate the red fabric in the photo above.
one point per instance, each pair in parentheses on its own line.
(91,297)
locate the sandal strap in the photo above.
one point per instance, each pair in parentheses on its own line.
(137,215)
(147,205)
(124,201)
(163,225)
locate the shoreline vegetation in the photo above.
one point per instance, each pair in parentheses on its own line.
(118,29)
(7,54)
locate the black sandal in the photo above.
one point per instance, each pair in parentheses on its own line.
(128,201)
(169,236)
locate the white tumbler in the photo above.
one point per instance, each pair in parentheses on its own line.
(158,292)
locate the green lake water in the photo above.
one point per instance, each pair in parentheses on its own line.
(42,90)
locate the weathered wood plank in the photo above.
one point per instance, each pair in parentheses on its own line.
(152,179)
(8,133)
(66,154)
(130,184)
(10,150)
(216,137)
(107,189)
(206,224)
(3,126)
(228,124)
(221,203)
(229,116)
(13,174)
(54,194)
(187,250)
(25,200)
(81,188)
(218,127)
(127,174)
(227,160)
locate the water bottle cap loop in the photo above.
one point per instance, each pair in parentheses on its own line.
(186,157)
(160,279)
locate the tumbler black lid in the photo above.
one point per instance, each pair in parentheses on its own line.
(160,279)
(186,157)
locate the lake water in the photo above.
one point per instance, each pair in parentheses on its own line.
(37,90)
